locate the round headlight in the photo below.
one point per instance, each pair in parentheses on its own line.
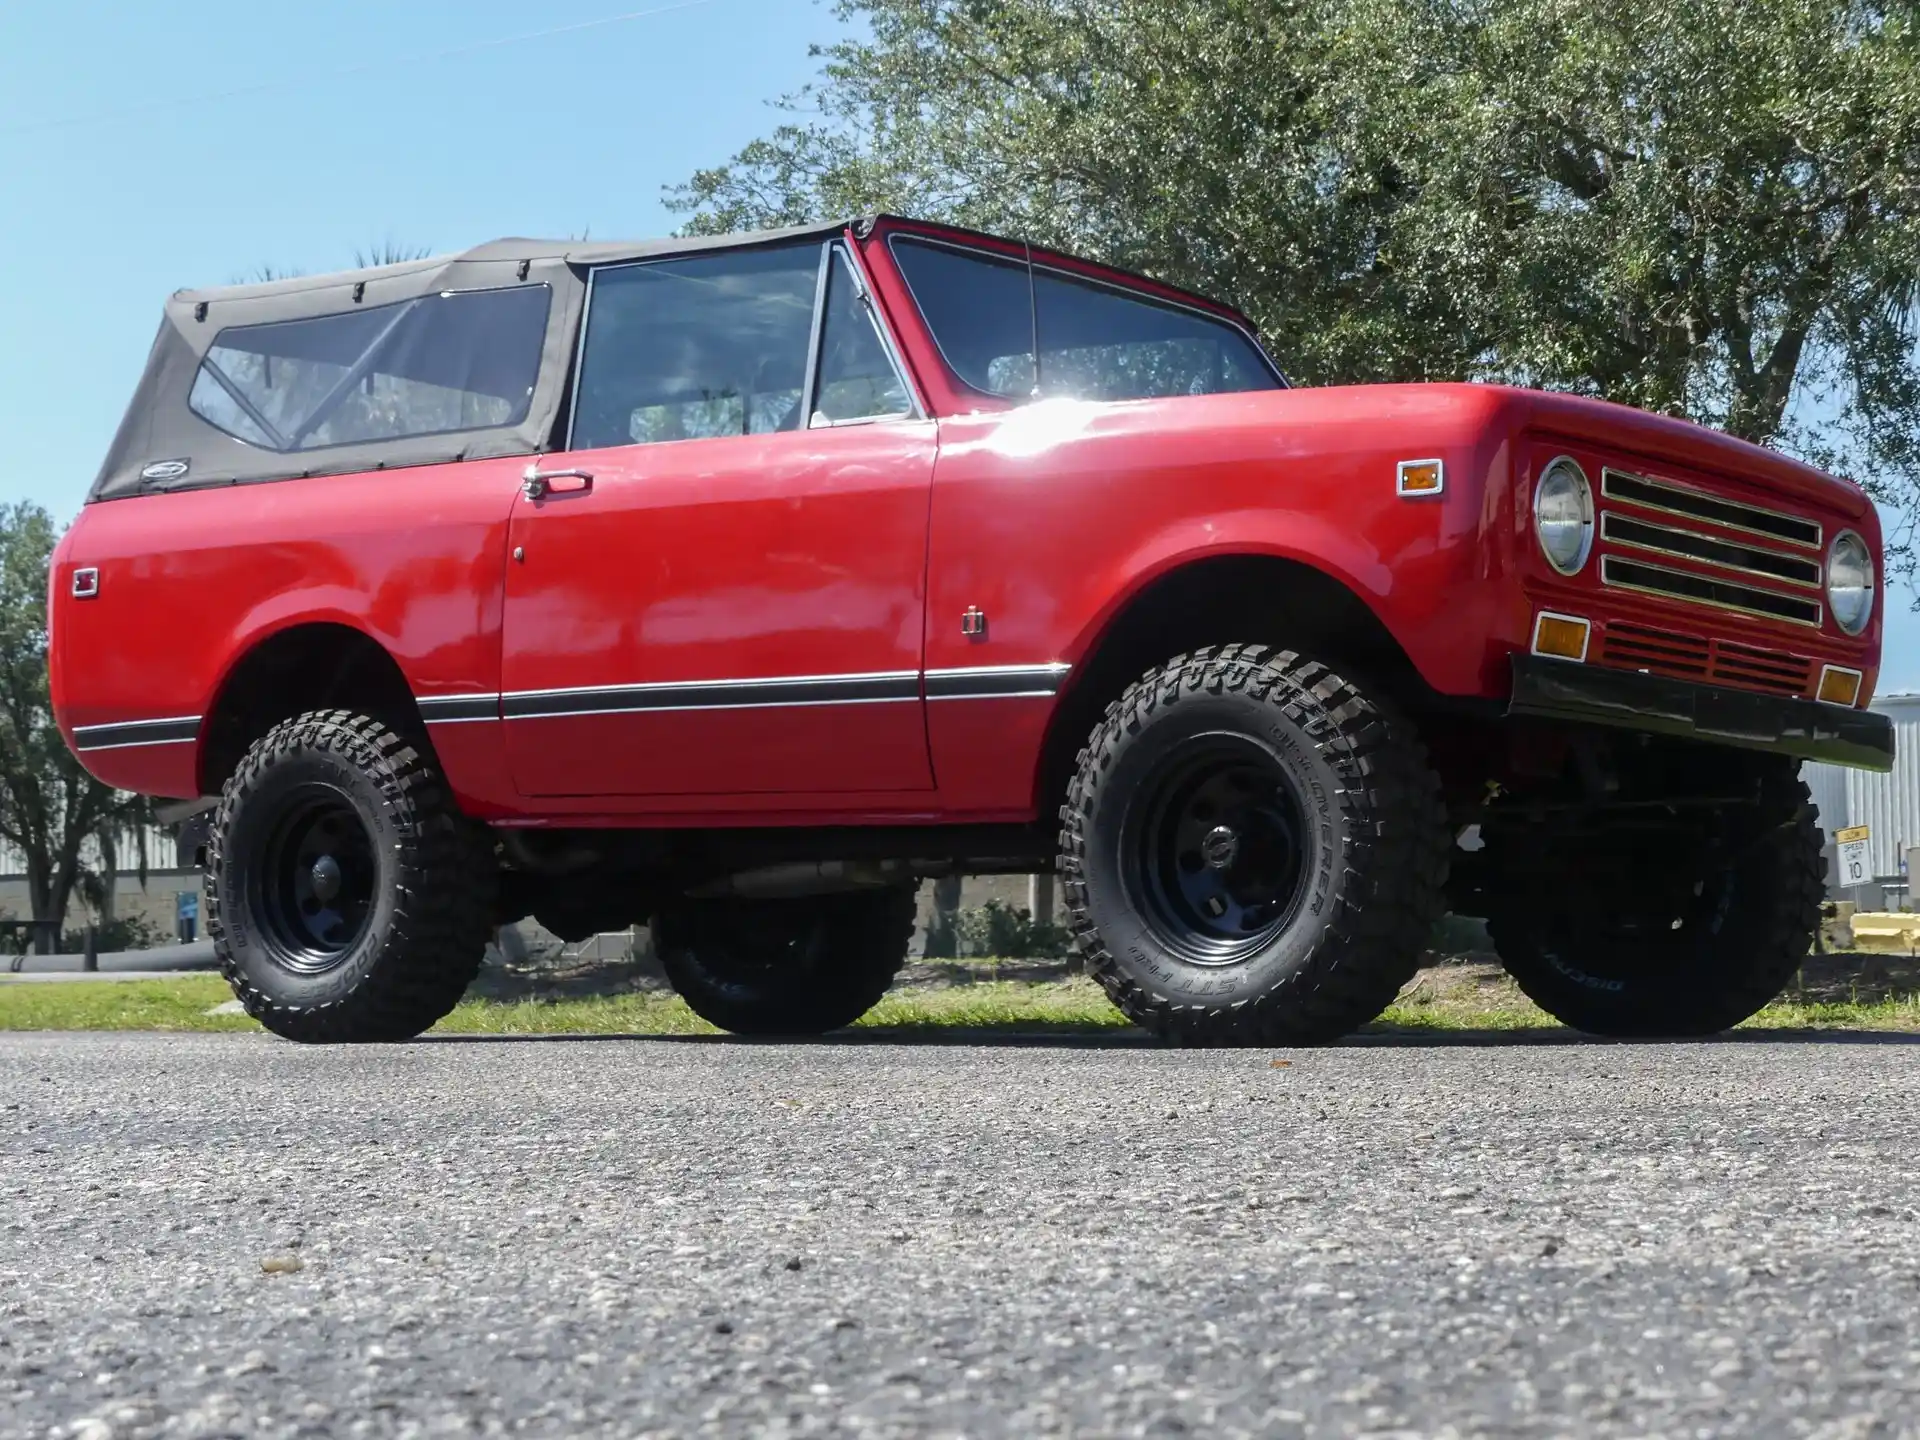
(1850,582)
(1563,515)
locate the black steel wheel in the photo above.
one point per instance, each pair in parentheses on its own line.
(1252,852)
(320,878)
(347,897)
(1643,922)
(785,967)
(1216,851)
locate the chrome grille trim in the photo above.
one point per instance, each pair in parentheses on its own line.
(1632,532)
(1693,588)
(1695,504)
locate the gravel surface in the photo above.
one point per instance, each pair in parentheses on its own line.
(226,1235)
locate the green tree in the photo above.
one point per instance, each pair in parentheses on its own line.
(1704,207)
(49,806)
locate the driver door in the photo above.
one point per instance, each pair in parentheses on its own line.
(709,596)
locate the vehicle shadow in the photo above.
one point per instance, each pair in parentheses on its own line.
(1065,1037)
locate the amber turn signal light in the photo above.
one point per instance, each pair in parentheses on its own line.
(1422,477)
(1839,685)
(1564,637)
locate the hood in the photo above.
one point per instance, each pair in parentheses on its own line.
(1623,430)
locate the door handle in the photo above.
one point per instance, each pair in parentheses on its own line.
(537,484)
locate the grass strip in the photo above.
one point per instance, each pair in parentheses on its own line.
(173,1004)
(1073,1006)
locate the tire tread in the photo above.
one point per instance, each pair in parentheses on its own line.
(871,934)
(440,925)
(1776,937)
(1371,944)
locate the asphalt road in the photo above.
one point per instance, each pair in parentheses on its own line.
(659,1237)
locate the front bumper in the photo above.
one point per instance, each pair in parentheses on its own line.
(1631,700)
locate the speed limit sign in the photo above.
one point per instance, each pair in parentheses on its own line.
(1852,845)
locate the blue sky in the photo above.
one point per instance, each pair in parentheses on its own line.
(147,146)
(157,186)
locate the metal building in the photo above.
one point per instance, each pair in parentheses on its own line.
(1888,805)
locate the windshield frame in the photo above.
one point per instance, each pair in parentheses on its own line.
(1157,295)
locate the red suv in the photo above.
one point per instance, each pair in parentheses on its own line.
(736,585)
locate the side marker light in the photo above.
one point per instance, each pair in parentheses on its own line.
(1421,478)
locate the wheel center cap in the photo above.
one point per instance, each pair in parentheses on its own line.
(326,878)
(1221,847)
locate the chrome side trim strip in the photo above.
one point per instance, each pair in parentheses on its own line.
(889,687)
(457,709)
(666,686)
(997,682)
(886,688)
(176,730)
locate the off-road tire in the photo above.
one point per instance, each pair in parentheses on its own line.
(432,910)
(1650,979)
(785,967)
(1380,848)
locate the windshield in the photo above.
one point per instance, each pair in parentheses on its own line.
(1096,342)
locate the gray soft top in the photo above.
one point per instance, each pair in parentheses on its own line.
(163,444)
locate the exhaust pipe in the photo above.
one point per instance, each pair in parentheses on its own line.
(794,881)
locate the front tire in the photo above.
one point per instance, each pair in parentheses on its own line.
(348,900)
(785,967)
(1650,924)
(1253,853)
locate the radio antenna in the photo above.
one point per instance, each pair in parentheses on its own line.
(1033,313)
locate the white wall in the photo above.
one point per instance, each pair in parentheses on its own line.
(162,852)
(1889,805)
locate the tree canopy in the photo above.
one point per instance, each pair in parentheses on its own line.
(1702,207)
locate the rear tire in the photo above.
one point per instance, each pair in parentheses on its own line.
(1644,927)
(1252,852)
(348,899)
(785,967)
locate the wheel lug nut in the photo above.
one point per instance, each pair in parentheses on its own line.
(326,877)
(1221,847)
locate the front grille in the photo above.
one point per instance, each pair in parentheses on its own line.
(1751,669)
(1699,505)
(1693,657)
(1706,590)
(1727,554)
(1681,543)
(1641,647)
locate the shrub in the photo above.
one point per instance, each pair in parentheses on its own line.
(994,931)
(131,932)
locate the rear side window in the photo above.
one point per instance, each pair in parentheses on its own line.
(1096,342)
(698,348)
(443,363)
